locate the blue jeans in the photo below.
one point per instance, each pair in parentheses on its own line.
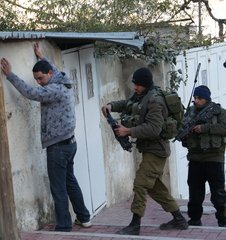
(63,184)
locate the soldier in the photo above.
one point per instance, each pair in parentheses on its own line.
(142,117)
(206,148)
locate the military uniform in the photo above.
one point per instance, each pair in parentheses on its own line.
(145,114)
(143,117)
(206,163)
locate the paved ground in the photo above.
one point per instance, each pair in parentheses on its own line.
(109,220)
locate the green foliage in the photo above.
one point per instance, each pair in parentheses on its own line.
(152,53)
(161,22)
(176,79)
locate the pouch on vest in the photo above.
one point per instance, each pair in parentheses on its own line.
(169,128)
(192,142)
(216,141)
(131,119)
(204,141)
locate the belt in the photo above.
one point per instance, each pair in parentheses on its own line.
(66,141)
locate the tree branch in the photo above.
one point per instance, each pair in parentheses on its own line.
(221,22)
(31,9)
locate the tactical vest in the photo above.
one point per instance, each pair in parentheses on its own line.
(136,109)
(130,117)
(203,141)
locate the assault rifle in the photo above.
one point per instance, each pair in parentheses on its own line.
(202,116)
(124,141)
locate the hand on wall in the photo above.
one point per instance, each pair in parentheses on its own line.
(6,66)
(38,50)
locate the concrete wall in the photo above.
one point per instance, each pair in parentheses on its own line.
(119,164)
(28,160)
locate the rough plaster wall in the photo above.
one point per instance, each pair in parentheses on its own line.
(160,72)
(115,83)
(119,164)
(31,186)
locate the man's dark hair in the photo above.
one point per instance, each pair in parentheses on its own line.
(42,66)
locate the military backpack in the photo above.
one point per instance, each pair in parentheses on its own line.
(133,114)
(175,107)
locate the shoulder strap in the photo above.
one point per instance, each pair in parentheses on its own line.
(144,102)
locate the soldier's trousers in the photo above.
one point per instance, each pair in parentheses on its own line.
(148,181)
(198,174)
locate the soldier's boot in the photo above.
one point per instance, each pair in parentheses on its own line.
(133,228)
(178,222)
(193,222)
(220,216)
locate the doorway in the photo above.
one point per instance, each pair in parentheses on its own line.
(79,64)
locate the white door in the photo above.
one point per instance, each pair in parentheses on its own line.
(79,64)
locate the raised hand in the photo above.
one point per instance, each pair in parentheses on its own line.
(38,50)
(6,66)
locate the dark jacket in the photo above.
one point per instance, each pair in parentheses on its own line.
(151,111)
(209,145)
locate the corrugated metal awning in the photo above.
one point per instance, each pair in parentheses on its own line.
(71,39)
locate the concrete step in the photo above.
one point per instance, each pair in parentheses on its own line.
(44,235)
(148,231)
